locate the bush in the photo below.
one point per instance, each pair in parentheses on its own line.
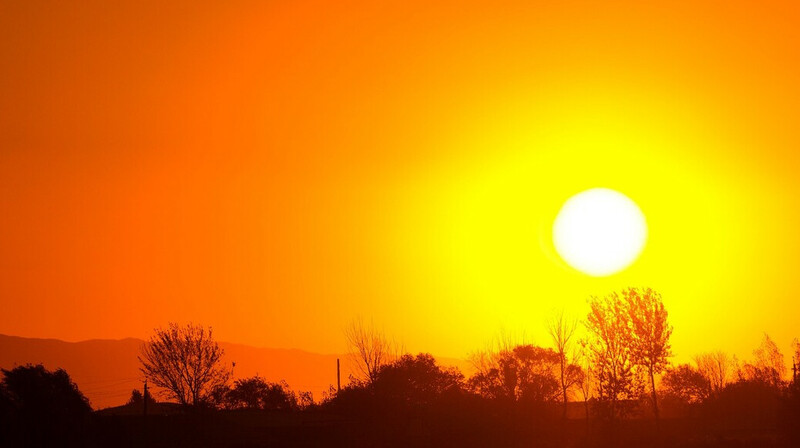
(42,408)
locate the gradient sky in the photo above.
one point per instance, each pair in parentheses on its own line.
(275,169)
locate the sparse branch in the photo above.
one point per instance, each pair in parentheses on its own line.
(716,368)
(561,331)
(369,348)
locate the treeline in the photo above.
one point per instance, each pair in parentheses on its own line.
(611,385)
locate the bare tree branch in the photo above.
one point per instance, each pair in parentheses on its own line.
(561,331)
(369,348)
(185,362)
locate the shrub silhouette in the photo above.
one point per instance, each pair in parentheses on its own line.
(524,373)
(751,405)
(42,408)
(410,382)
(137,398)
(257,393)
(415,380)
(686,384)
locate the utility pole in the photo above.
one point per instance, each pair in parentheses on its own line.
(144,412)
(145,396)
(338,377)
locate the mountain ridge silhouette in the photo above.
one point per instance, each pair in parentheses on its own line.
(107,370)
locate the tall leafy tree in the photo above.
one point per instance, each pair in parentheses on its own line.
(610,350)
(649,335)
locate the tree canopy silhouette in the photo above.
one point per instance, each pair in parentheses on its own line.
(415,380)
(186,362)
(522,373)
(686,384)
(257,393)
(138,399)
(41,407)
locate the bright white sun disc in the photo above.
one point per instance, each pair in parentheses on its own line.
(599,231)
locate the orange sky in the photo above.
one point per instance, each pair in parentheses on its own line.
(276,169)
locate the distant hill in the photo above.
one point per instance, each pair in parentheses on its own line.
(107,370)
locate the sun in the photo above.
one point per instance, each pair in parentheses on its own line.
(599,231)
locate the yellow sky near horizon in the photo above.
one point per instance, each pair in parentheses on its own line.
(274,170)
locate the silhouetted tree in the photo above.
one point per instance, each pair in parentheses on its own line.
(138,399)
(369,348)
(305,399)
(411,385)
(6,417)
(584,380)
(248,393)
(415,380)
(687,384)
(716,367)
(487,381)
(43,407)
(744,405)
(611,350)
(185,362)
(650,332)
(561,331)
(256,393)
(768,366)
(524,373)
(769,362)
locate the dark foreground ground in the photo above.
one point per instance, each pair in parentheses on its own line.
(321,429)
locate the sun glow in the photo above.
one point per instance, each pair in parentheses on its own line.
(599,231)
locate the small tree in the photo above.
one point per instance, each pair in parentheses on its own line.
(584,379)
(257,393)
(369,348)
(561,331)
(687,384)
(524,373)
(716,367)
(768,367)
(650,334)
(138,399)
(415,381)
(186,362)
